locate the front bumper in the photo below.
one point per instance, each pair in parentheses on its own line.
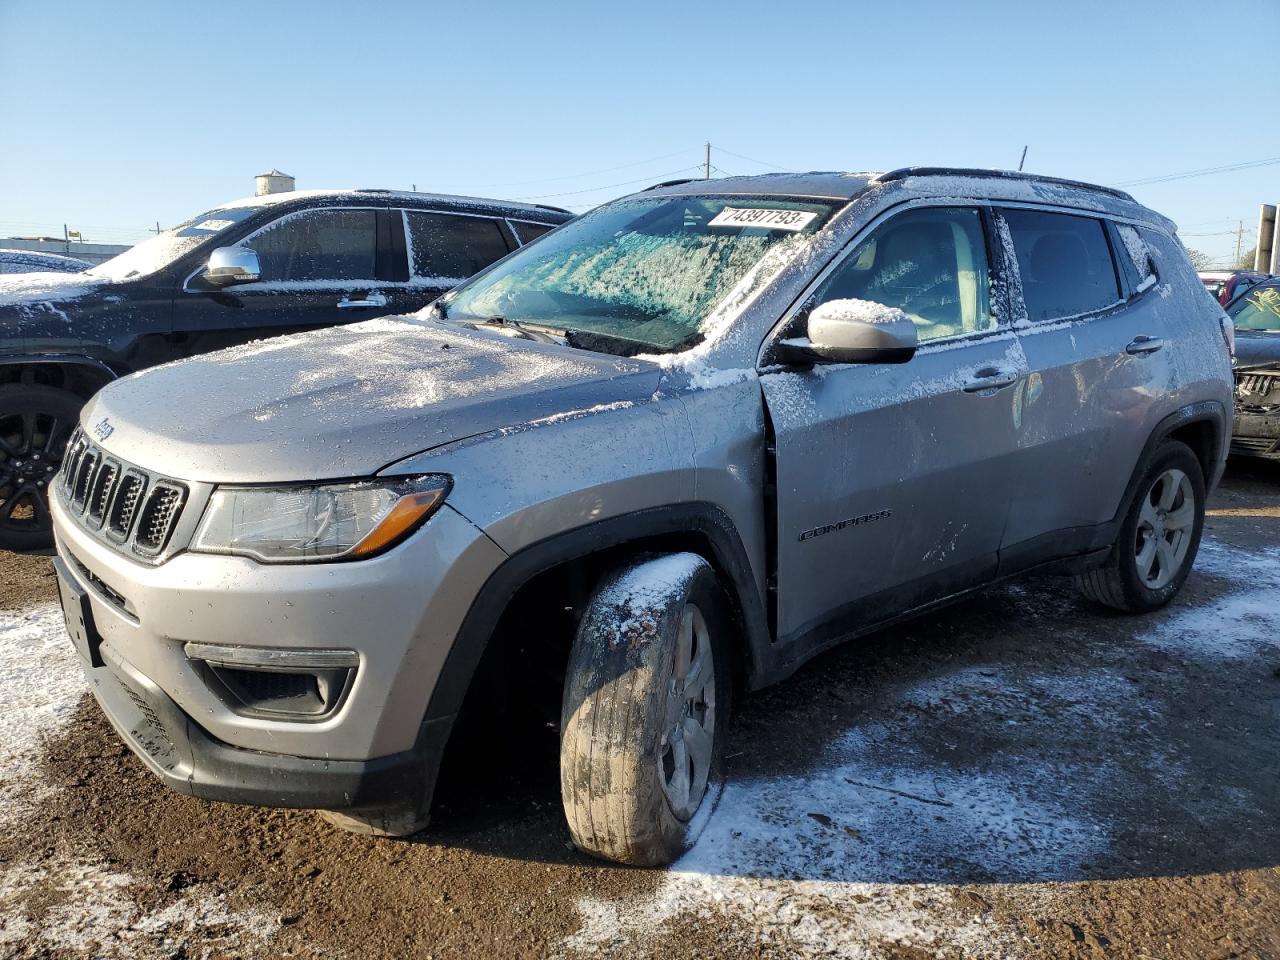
(191,761)
(399,612)
(1256,434)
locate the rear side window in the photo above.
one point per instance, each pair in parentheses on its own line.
(318,245)
(528,232)
(449,247)
(1065,264)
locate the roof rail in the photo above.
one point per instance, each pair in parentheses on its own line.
(547,206)
(903,172)
(670,183)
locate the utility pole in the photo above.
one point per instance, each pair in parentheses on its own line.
(66,240)
(1239,238)
(706,165)
(157,229)
(1024,157)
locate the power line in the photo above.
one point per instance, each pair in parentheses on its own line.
(751,159)
(575,176)
(609,186)
(1202,172)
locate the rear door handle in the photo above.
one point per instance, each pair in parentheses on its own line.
(991,378)
(370,300)
(1140,345)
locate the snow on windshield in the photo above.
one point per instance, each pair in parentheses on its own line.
(161,250)
(648,273)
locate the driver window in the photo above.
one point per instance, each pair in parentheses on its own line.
(318,245)
(931,263)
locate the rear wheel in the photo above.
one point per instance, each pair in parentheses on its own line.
(1158,538)
(35,424)
(645,703)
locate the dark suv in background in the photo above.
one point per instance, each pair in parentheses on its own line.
(249,269)
(1256,318)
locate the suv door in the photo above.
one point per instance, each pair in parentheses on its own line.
(319,267)
(1094,342)
(893,481)
(444,249)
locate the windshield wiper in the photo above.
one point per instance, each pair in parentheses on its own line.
(538,332)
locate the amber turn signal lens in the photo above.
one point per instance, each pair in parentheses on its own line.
(411,510)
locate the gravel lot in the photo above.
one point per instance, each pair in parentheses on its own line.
(1020,775)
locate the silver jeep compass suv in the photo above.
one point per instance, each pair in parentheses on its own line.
(678,445)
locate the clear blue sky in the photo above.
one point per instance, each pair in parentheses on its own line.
(114,115)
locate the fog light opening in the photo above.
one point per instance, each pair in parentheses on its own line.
(301,685)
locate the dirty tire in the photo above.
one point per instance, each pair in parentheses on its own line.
(36,422)
(377,821)
(1120,582)
(630,725)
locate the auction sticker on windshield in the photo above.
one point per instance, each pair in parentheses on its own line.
(764,217)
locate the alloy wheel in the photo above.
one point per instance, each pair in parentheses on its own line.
(685,750)
(1165,525)
(32,445)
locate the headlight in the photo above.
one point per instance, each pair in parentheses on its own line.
(337,521)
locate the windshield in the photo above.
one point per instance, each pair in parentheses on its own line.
(642,275)
(161,250)
(1259,309)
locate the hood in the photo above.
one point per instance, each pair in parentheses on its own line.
(1257,349)
(31,289)
(347,401)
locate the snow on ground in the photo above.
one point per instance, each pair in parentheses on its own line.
(40,686)
(873,843)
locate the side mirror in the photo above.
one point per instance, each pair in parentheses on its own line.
(853,331)
(228,265)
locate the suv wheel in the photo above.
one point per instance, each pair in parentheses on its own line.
(35,424)
(1158,538)
(645,703)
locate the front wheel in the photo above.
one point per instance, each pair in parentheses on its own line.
(645,703)
(35,424)
(1159,536)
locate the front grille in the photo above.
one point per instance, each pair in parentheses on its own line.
(104,485)
(1258,391)
(161,509)
(134,510)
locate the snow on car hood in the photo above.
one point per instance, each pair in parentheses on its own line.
(347,401)
(31,288)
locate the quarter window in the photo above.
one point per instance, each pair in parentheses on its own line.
(931,263)
(318,245)
(528,232)
(1065,264)
(451,247)
(1137,262)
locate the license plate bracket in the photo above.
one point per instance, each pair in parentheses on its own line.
(79,616)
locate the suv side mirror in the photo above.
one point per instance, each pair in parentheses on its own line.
(228,265)
(853,331)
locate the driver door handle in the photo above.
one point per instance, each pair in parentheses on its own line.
(1142,344)
(370,300)
(991,378)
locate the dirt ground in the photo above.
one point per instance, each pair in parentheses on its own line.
(1019,775)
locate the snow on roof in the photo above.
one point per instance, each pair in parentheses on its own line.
(357,193)
(924,181)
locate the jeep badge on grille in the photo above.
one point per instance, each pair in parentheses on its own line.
(103,429)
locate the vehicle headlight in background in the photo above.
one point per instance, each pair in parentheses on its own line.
(302,524)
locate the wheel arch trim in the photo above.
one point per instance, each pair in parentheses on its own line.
(1205,411)
(706,520)
(68,359)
